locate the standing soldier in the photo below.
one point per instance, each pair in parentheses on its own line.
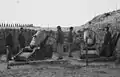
(21,39)
(70,41)
(60,41)
(9,42)
(107,42)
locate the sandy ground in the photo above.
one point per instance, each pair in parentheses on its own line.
(73,68)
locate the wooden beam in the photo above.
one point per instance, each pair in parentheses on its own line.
(12,63)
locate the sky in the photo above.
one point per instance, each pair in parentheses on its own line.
(52,13)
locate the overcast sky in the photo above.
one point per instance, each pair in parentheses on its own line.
(54,12)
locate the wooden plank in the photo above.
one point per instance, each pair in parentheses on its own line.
(13,63)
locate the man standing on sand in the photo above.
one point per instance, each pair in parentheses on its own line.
(9,42)
(70,41)
(60,41)
(106,49)
(21,39)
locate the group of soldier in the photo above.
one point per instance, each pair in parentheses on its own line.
(59,40)
(109,46)
(10,43)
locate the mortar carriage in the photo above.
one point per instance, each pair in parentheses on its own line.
(90,47)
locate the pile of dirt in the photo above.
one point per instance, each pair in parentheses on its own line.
(102,20)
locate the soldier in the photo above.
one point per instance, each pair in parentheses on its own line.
(60,41)
(9,42)
(107,43)
(70,41)
(21,39)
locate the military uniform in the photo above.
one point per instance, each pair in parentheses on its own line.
(60,41)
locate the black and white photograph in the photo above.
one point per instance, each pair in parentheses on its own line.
(59,38)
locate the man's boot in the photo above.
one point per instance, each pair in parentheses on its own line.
(70,54)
